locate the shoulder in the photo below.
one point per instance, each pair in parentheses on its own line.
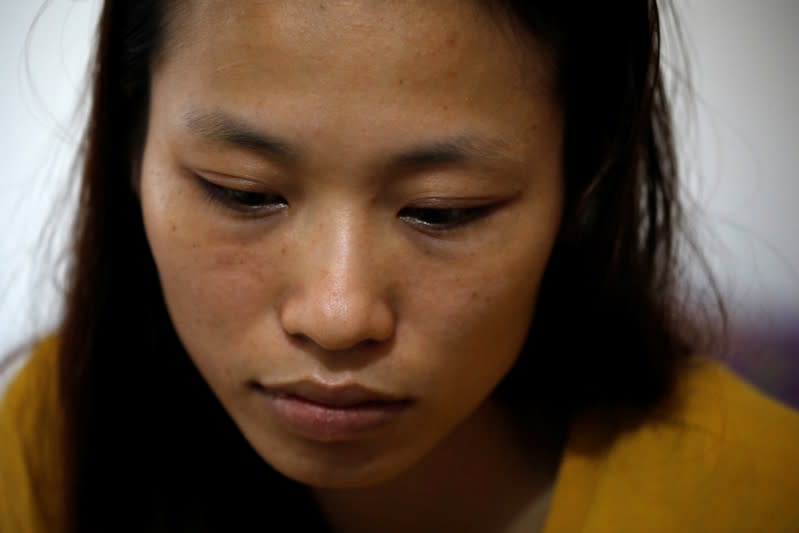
(33,391)
(714,399)
(30,430)
(746,435)
(28,367)
(713,405)
(718,456)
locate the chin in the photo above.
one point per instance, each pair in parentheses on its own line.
(339,465)
(339,479)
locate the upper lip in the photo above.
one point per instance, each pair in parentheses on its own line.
(344,395)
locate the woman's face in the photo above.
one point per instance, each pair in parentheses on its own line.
(351,206)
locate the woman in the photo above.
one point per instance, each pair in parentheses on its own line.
(383,266)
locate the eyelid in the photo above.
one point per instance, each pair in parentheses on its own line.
(464,212)
(454,202)
(232,182)
(224,196)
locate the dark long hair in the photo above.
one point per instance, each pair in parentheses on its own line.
(148,447)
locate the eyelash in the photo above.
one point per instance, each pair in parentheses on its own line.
(245,202)
(443,219)
(431,219)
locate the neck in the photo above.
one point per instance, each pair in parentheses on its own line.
(484,477)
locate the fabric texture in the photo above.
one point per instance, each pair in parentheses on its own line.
(31,480)
(719,457)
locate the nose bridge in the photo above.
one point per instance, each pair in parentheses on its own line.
(339,299)
(341,269)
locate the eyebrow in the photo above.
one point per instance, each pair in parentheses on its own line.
(227,129)
(460,149)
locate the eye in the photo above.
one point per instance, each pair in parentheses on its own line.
(442,219)
(242,201)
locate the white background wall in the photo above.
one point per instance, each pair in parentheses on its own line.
(742,146)
(42,71)
(739,143)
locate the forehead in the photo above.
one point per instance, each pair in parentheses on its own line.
(349,58)
(378,36)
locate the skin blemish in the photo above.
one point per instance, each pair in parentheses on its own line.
(446,312)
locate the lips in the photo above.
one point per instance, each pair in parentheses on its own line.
(325,413)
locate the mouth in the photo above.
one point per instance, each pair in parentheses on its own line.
(325,413)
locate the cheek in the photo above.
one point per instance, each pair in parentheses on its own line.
(487,299)
(475,321)
(490,295)
(215,288)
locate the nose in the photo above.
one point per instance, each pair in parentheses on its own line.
(338,299)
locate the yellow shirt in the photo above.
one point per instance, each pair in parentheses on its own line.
(721,457)
(31,484)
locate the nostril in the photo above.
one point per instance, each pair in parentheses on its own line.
(306,342)
(337,328)
(337,341)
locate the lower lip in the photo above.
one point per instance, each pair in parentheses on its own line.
(325,423)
